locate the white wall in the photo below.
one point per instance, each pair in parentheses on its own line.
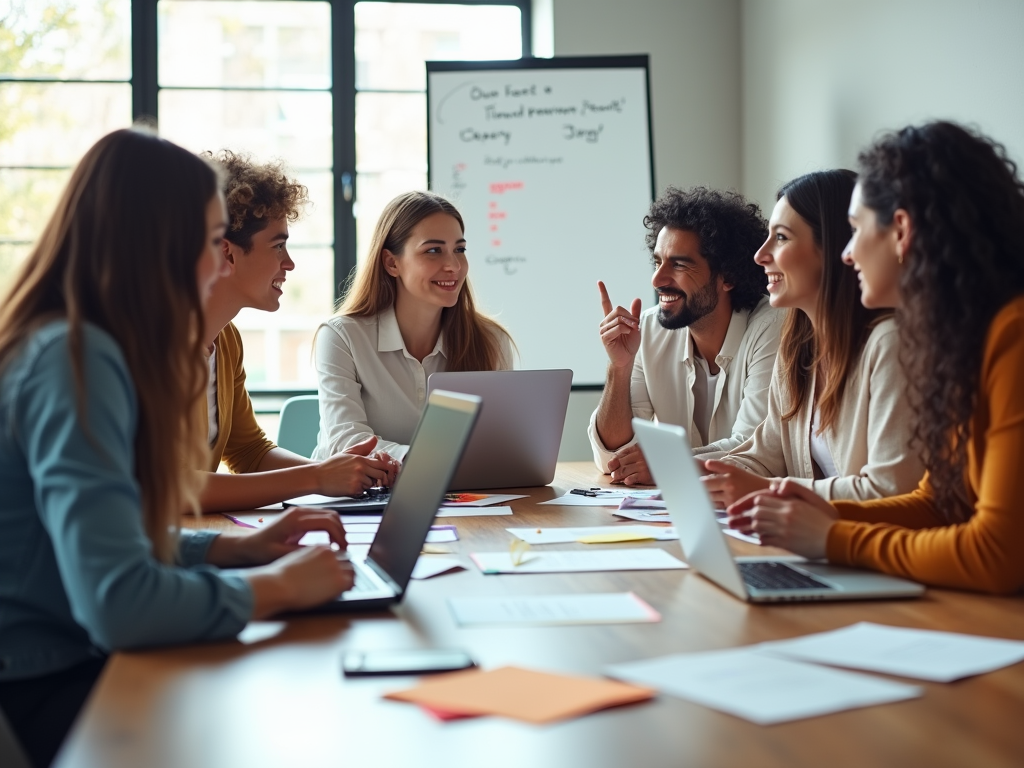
(695,76)
(821,78)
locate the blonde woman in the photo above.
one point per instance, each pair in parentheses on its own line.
(408,313)
(101,371)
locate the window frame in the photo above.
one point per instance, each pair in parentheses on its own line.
(145,94)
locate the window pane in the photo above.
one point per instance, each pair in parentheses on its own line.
(27,199)
(394,39)
(293,126)
(251,44)
(316,227)
(391,131)
(55,123)
(66,38)
(278,346)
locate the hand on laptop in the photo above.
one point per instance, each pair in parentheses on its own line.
(788,515)
(629,467)
(727,483)
(355,470)
(620,330)
(278,538)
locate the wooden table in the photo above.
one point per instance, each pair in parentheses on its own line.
(277,697)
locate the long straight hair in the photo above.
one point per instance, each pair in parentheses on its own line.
(120,252)
(471,339)
(822,199)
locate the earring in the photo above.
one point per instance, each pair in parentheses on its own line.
(899,257)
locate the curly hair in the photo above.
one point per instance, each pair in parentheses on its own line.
(730,229)
(965,261)
(256,194)
(822,199)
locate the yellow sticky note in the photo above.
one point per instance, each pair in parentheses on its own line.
(614,538)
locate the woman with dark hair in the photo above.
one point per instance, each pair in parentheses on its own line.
(837,420)
(938,233)
(408,312)
(101,371)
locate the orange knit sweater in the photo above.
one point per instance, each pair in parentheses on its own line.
(905,535)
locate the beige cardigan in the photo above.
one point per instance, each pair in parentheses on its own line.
(869,442)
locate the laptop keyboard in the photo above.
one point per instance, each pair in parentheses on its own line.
(377,493)
(767,575)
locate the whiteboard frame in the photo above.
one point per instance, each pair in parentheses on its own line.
(630,61)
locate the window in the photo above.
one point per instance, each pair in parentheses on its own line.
(335,88)
(64,82)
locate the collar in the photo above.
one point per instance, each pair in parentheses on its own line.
(730,345)
(389,335)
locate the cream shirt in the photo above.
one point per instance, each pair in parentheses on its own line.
(869,443)
(370,385)
(664,375)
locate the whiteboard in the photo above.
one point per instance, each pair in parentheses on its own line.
(549,162)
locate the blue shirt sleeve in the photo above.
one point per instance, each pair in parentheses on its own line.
(90,505)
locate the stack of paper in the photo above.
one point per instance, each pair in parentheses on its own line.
(609,533)
(576,562)
(923,654)
(601,498)
(552,610)
(479,499)
(760,688)
(521,694)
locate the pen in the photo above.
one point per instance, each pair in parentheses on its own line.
(585,491)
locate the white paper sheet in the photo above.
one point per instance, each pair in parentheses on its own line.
(443,536)
(758,687)
(468,511)
(924,654)
(642,516)
(428,566)
(492,499)
(741,536)
(561,561)
(604,498)
(565,535)
(552,610)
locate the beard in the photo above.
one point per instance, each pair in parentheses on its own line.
(692,309)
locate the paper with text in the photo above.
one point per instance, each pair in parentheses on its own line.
(552,610)
(562,561)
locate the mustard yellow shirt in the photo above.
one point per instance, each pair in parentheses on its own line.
(240,443)
(906,536)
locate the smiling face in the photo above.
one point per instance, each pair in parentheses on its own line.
(687,291)
(258,275)
(211,267)
(874,251)
(792,261)
(432,266)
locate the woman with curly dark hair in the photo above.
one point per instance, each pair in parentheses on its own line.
(261,201)
(837,421)
(938,218)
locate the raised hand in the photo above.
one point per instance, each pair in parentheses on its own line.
(620,330)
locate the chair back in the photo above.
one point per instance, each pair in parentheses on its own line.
(300,424)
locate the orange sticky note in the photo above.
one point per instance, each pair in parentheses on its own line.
(522,694)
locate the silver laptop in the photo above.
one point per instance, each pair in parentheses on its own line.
(516,439)
(756,579)
(434,452)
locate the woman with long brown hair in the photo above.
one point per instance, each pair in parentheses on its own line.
(938,218)
(837,421)
(101,370)
(408,313)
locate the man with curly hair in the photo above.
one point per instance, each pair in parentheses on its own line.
(703,357)
(261,201)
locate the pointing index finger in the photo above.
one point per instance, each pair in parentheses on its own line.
(606,302)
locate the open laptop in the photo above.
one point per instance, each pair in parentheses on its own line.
(434,452)
(756,579)
(516,440)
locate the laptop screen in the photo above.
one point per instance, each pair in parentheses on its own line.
(433,454)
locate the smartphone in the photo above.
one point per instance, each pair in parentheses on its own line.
(423,661)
